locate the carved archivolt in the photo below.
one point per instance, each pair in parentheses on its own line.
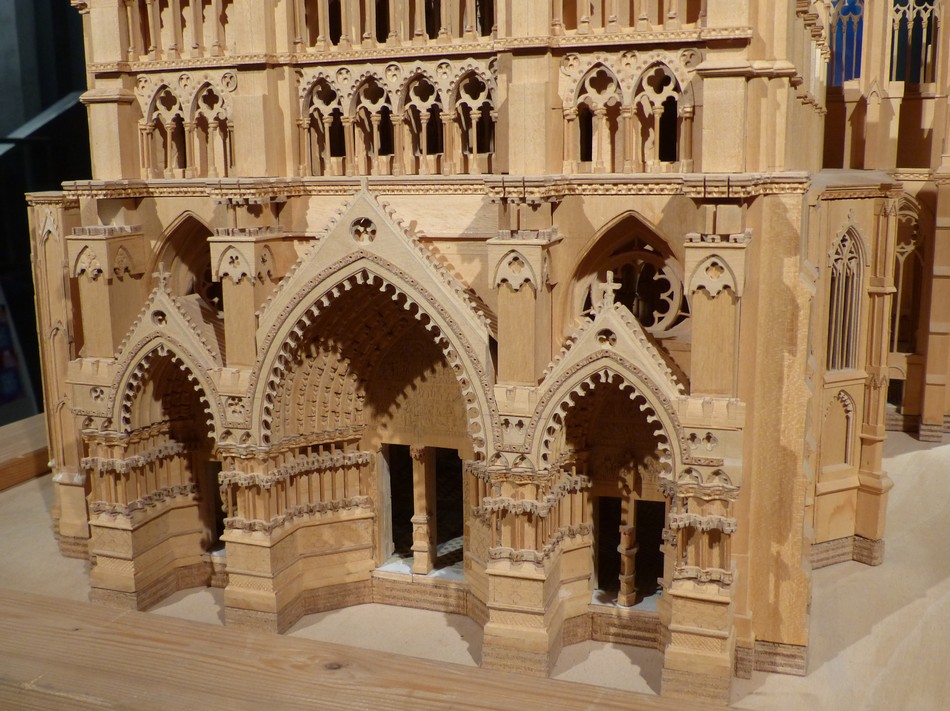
(608,368)
(361,269)
(134,377)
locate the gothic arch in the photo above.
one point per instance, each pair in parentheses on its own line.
(602,368)
(135,367)
(629,237)
(185,257)
(359,269)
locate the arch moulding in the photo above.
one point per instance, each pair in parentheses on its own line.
(286,332)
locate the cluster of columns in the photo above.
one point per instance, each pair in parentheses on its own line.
(638,155)
(154,34)
(364,158)
(586,17)
(324,24)
(213,143)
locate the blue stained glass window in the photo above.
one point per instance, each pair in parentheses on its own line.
(847,39)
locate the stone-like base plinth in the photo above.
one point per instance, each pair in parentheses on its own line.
(930,433)
(695,686)
(781,658)
(840,550)
(191,576)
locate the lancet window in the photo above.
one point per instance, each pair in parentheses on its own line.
(323,125)
(598,115)
(907,304)
(374,125)
(475,116)
(914,35)
(844,306)
(169,29)
(163,138)
(847,40)
(212,131)
(424,116)
(663,123)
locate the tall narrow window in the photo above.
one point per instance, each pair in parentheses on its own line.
(433,18)
(485,17)
(913,41)
(844,305)
(382,20)
(335,21)
(847,39)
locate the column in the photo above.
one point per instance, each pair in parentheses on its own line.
(190,167)
(448,144)
(468,31)
(132,15)
(424,143)
(169,133)
(399,138)
(327,169)
(349,137)
(570,140)
(197,29)
(444,23)
(395,13)
(628,552)
(323,21)
(601,142)
(557,18)
(424,544)
(686,139)
(217,47)
(175,9)
(626,114)
(419,26)
(376,160)
(657,115)
(301,30)
(154,29)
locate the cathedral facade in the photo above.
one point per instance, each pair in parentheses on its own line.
(583,319)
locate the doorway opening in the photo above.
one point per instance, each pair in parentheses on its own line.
(439,493)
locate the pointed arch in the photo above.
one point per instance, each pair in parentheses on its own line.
(644,264)
(360,269)
(135,367)
(184,253)
(603,367)
(846,262)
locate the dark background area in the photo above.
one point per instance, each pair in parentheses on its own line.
(44,139)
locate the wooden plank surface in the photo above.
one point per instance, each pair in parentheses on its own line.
(23,451)
(59,654)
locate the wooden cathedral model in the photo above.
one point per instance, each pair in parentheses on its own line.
(583,319)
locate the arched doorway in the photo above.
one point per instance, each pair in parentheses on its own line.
(366,428)
(155,493)
(611,440)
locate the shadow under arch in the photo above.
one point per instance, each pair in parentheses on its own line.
(135,367)
(362,269)
(607,367)
(183,252)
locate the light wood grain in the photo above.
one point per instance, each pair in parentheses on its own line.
(23,451)
(58,654)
